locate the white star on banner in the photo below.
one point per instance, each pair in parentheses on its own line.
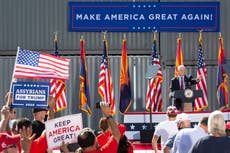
(144,127)
(132,127)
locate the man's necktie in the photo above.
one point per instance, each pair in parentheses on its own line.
(181,83)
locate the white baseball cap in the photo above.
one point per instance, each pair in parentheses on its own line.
(182,117)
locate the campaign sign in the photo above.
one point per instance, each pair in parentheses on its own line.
(31,94)
(64,128)
(144,16)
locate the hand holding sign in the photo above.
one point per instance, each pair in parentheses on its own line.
(51,102)
(8,98)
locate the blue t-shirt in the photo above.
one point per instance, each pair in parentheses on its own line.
(211,144)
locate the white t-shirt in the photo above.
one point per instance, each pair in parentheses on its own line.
(165,130)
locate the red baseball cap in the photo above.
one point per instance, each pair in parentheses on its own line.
(7,140)
(228,125)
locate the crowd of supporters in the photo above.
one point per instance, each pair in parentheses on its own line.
(210,135)
(22,135)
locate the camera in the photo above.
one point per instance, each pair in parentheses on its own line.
(98,105)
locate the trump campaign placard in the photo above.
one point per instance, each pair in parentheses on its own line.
(30,94)
(63,129)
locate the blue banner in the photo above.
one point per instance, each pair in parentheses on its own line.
(144,16)
(31,94)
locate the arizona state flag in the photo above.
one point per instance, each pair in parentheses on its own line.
(179,56)
(221,82)
(84,84)
(125,91)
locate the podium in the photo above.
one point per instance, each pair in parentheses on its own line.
(187,97)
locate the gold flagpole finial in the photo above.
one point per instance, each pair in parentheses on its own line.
(104,35)
(200,32)
(124,36)
(220,34)
(155,35)
(200,36)
(55,36)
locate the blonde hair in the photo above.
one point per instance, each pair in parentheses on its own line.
(216,123)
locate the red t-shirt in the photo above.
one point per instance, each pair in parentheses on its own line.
(104,137)
(39,145)
(110,147)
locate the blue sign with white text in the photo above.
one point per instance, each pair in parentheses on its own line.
(144,16)
(31,94)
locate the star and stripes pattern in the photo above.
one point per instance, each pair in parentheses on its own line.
(35,65)
(202,102)
(154,96)
(58,87)
(105,84)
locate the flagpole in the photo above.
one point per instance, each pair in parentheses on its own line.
(106,97)
(12,78)
(56,54)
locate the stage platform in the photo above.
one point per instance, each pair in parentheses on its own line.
(137,122)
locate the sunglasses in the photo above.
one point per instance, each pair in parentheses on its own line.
(172,109)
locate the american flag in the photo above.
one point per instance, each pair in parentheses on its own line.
(58,88)
(58,91)
(105,85)
(179,56)
(154,96)
(84,96)
(221,83)
(30,64)
(201,102)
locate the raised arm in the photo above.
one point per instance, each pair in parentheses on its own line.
(51,103)
(114,129)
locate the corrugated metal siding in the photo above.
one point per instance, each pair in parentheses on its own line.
(189,45)
(31,23)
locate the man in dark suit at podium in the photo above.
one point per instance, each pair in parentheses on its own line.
(181,82)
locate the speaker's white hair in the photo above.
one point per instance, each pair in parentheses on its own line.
(180,67)
(216,123)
